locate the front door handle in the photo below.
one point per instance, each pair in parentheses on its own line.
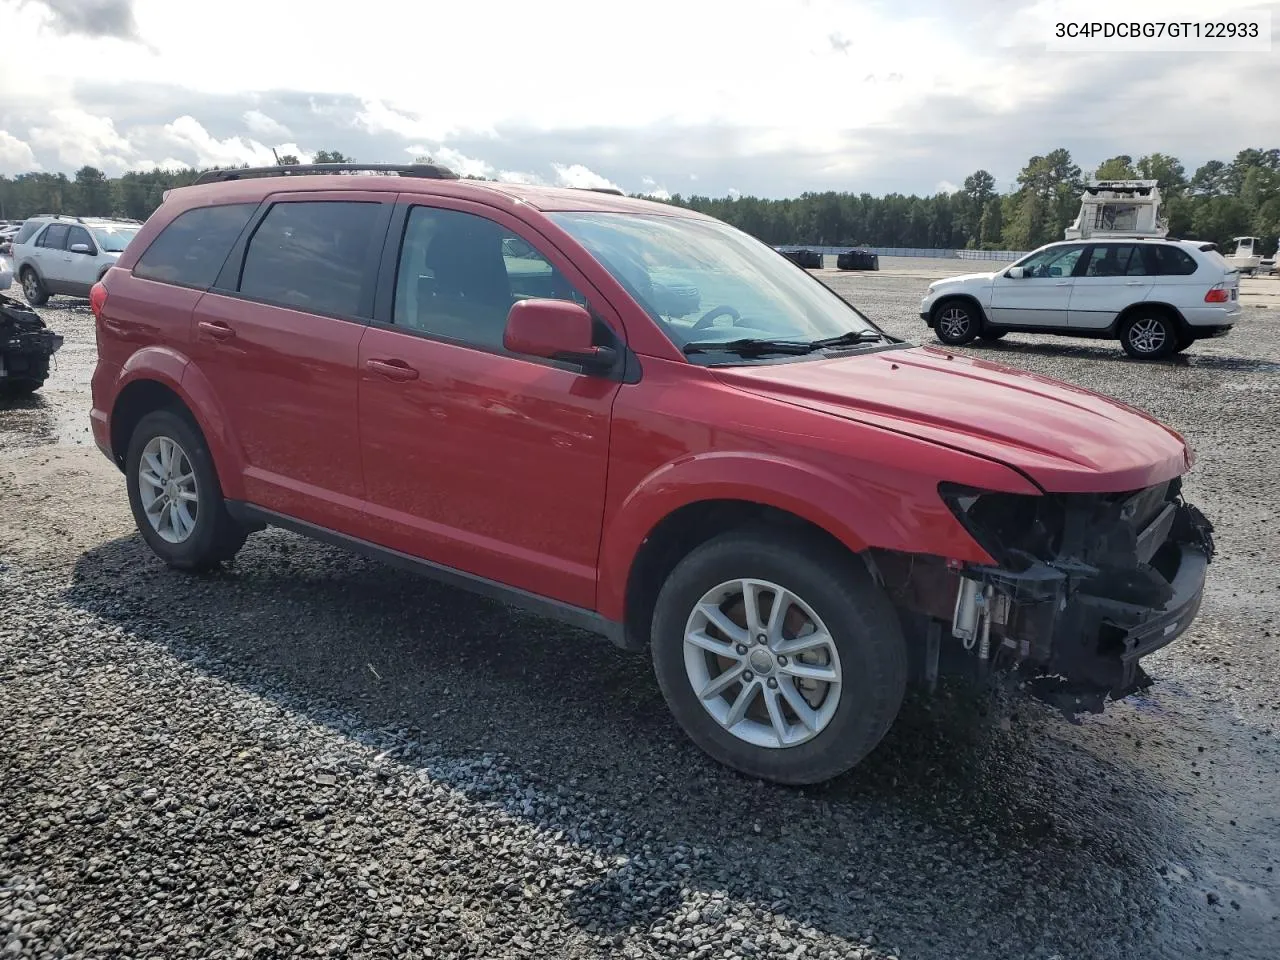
(216,329)
(1135,283)
(1063,283)
(396,370)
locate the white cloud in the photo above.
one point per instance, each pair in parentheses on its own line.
(264,126)
(208,151)
(946,186)
(652,189)
(455,160)
(733,193)
(519,176)
(15,155)
(168,163)
(79,138)
(577,175)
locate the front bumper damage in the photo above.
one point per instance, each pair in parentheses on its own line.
(1080,597)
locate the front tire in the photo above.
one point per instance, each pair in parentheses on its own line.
(1149,336)
(175,495)
(33,289)
(778,655)
(956,322)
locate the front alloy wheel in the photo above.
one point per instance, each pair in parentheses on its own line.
(762,662)
(777,653)
(955,323)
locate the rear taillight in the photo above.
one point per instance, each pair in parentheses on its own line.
(97,299)
(1217,294)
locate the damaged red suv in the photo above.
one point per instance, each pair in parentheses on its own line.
(645,423)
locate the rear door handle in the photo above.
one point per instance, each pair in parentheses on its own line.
(1063,283)
(216,329)
(396,370)
(1135,283)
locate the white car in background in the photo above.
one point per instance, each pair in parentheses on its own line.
(6,273)
(1156,296)
(55,254)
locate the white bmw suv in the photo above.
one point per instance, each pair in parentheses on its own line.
(1156,296)
(55,253)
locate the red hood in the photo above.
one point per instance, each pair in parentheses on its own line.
(1067,439)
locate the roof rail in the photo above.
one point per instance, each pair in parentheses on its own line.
(428,171)
(614,191)
(55,216)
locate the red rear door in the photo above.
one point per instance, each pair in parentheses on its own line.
(475,458)
(278,339)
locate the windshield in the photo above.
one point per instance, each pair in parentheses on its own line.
(706,282)
(114,239)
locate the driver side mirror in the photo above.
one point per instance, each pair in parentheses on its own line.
(555,330)
(1016,273)
(80,248)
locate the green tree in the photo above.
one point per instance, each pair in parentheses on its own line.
(287,160)
(1165,170)
(1212,179)
(92,192)
(1116,168)
(1219,219)
(992,225)
(332,156)
(979,188)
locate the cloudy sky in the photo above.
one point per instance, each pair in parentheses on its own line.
(770,97)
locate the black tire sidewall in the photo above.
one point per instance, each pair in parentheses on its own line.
(1170,337)
(865,629)
(971,333)
(201,548)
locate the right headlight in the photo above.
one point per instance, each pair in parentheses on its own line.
(1016,529)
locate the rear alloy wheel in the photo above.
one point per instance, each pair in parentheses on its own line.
(778,656)
(956,323)
(1149,336)
(33,290)
(175,496)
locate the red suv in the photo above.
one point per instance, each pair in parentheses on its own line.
(643,422)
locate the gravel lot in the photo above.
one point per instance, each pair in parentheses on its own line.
(309,754)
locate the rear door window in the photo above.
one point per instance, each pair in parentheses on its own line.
(55,238)
(191,250)
(1116,260)
(313,256)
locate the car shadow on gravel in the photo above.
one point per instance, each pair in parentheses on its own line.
(971,807)
(1007,351)
(26,421)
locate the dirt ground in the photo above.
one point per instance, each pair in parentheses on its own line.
(309,754)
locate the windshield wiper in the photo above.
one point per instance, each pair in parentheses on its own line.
(848,339)
(750,346)
(756,347)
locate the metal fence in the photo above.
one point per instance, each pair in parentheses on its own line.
(1003,256)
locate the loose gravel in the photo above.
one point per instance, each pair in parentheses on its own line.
(309,754)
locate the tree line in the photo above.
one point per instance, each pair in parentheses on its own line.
(1218,201)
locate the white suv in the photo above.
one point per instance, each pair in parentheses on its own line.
(60,254)
(1156,296)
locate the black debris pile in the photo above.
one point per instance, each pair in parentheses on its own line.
(26,346)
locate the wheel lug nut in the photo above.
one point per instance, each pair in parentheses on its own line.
(748,677)
(761,638)
(742,649)
(782,661)
(773,684)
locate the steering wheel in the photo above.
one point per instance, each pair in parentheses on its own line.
(715,313)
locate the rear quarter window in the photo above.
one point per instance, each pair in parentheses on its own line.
(1217,260)
(27,232)
(191,250)
(1173,262)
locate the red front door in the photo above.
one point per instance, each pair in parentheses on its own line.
(474,458)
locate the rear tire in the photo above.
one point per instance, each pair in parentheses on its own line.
(1149,336)
(33,288)
(776,736)
(183,518)
(956,322)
